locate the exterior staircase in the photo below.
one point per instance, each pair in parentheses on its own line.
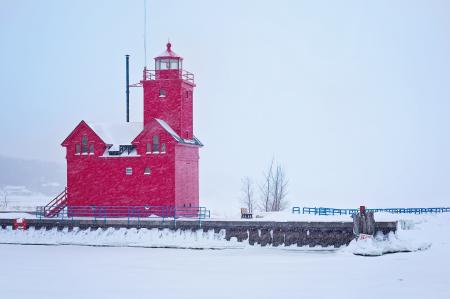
(56,205)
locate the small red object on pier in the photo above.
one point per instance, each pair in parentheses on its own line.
(362,209)
(20,223)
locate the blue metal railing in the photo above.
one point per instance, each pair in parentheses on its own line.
(128,212)
(333,211)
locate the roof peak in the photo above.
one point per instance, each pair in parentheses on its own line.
(168,53)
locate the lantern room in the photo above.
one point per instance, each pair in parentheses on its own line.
(168,65)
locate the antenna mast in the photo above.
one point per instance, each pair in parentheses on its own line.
(145,33)
(127,85)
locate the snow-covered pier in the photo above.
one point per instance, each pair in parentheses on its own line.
(263,233)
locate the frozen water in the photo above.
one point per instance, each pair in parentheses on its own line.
(240,271)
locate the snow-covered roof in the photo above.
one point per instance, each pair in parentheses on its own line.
(108,153)
(177,137)
(169,130)
(117,133)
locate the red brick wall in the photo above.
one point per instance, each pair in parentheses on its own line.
(175,108)
(102,181)
(186,176)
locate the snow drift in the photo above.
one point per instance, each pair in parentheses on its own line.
(133,237)
(414,233)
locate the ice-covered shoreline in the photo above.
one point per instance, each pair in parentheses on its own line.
(415,232)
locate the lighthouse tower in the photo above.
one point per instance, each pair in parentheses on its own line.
(168,92)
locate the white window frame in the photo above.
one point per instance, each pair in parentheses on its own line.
(84,145)
(91,149)
(129,171)
(78,149)
(147,172)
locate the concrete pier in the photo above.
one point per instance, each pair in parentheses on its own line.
(255,232)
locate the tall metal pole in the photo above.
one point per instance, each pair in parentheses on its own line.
(127,90)
(145,33)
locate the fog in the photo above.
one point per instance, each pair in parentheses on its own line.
(351,97)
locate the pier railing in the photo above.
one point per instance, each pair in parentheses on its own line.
(127,212)
(333,211)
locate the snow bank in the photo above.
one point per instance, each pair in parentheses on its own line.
(414,233)
(283,216)
(121,237)
(151,238)
(382,244)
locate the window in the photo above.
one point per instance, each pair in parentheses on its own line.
(77,148)
(167,64)
(162,93)
(174,64)
(91,149)
(147,170)
(84,144)
(149,148)
(163,148)
(155,144)
(128,171)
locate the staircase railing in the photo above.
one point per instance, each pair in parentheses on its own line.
(54,206)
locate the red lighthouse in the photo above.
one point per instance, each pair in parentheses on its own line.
(154,163)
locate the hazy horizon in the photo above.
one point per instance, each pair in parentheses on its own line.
(351,97)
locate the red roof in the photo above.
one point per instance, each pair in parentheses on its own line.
(168,53)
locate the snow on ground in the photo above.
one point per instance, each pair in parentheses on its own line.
(19,198)
(123,272)
(269,216)
(240,271)
(415,232)
(122,237)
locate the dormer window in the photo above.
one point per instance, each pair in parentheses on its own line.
(84,144)
(148,148)
(77,148)
(91,149)
(162,93)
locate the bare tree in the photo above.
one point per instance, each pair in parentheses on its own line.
(248,194)
(279,189)
(266,189)
(274,188)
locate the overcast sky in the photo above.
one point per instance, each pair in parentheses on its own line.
(351,97)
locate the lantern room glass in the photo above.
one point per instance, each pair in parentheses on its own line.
(167,64)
